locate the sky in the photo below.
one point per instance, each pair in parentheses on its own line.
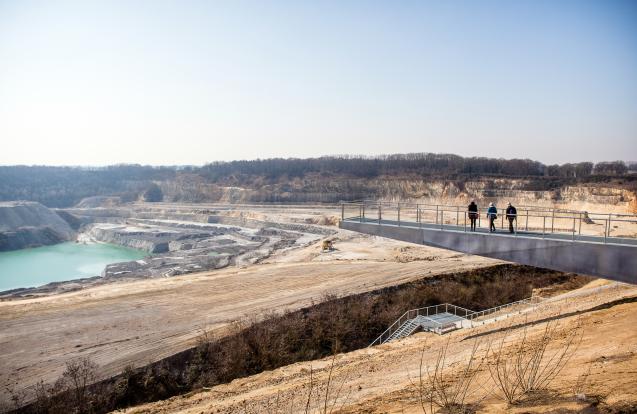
(190,82)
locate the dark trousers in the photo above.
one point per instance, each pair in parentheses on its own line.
(491,223)
(473,223)
(511,219)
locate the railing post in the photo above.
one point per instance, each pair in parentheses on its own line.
(573,228)
(502,225)
(605,227)
(380,217)
(436,213)
(580,224)
(543,226)
(457,216)
(420,216)
(398,214)
(552,221)
(526,228)
(465,221)
(342,212)
(360,213)
(609,219)
(363,212)
(442,221)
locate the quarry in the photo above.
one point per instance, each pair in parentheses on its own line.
(240,276)
(178,240)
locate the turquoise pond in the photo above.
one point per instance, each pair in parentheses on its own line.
(65,261)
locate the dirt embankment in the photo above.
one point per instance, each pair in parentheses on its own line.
(346,323)
(598,377)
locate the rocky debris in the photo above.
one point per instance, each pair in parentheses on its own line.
(99,201)
(253,223)
(26,224)
(180,247)
(153,239)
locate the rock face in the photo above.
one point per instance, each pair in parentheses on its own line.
(29,224)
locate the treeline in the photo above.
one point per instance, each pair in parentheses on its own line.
(421,164)
(66,186)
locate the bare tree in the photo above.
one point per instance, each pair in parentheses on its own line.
(437,390)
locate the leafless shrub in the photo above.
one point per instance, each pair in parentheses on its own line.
(326,398)
(438,391)
(322,397)
(536,367)
(503,373)
(72,393)
(530,366)
(79,375)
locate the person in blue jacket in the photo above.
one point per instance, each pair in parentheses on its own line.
(492,214)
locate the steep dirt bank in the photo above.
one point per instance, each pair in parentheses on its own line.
(349,323)
(385,379)
(29,224)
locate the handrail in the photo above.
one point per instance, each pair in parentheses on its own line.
(462,207)
(423,214)
(469,315)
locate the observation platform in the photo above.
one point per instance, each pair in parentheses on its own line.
(567,241)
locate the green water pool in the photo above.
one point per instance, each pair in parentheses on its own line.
(65,261)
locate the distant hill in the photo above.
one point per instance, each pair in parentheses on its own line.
(323,179)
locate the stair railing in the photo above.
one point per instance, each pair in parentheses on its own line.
(468,314)
(411,314)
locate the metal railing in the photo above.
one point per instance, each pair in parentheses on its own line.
(411,314)
(467,314)
(533,300)
(537,221)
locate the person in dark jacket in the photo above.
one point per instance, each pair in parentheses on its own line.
(473,214)
(512,214)
(492,214)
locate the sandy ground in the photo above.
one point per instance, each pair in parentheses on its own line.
(385,379)
(142,321)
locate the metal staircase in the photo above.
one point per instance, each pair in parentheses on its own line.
(405,329)
(446,317)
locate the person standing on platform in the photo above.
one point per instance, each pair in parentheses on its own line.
(473,214)
(492,214)
(512,214)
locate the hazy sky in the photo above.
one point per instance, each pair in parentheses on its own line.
(187,82)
